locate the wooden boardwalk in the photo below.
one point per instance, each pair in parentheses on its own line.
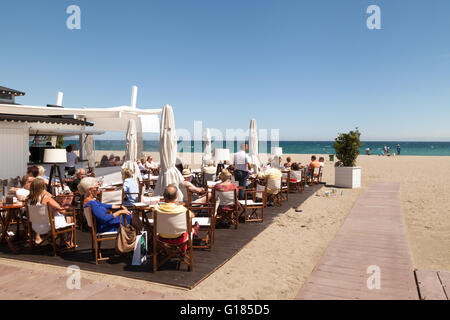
(433,285)
(370,246)
(25,284)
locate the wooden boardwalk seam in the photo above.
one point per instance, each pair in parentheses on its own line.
(372,236)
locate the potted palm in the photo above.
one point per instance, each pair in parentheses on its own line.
(347,174)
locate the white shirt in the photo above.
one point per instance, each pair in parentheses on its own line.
(71,157)
(241,161)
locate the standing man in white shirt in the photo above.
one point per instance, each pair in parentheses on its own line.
(242,164)
(72,159)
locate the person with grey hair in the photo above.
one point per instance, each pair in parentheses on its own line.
(106,222)
(79,175)
(242,165)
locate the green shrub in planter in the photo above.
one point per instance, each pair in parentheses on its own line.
(347,148)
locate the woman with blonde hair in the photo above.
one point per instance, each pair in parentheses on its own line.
(106,222)
(130,187)
(225,192)
(39,196)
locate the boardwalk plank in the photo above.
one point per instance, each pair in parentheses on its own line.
(444,276)
(430,286)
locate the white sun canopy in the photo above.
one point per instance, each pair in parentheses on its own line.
(108,119)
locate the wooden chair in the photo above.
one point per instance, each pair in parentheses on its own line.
(257,202)
(208,177)
(110,196)
(226,198)
(41,220)
(172,224)
(274,185)
(285,185)
(314,175)
(300,180)
(98,238)
(206,222)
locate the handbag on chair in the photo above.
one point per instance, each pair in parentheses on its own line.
(126,238)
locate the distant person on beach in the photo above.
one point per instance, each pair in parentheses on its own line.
(398,149)
(242,165)
(368,151)
(385,149)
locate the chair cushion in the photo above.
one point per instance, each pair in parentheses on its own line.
(250,203)
(202,221)
(109,233)
(66,226)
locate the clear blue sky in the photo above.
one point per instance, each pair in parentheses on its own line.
(309,68)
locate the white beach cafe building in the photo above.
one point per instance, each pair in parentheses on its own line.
(20,124)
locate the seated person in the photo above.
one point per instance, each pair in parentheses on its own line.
(296,173)
(130,188)
(288,164)
(273,179)
(79,175)
(144,171)
(150,164)
(91,172)
(39,196)
(42,174)
(105,222)
(209,171)
(313,164)
(179,165)
(188,185)
(226,200)
(104,161)
(32,173)
(112,160)
(322,161)
(117,161)
(170,206)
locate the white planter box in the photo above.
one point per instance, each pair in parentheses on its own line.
(347,177)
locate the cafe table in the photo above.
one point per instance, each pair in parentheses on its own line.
(7,212)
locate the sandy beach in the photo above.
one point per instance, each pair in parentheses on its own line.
(276,263)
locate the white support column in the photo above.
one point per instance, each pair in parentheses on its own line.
(59,99)
(82,149)
(134,91)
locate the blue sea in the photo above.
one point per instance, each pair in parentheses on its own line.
(295,147)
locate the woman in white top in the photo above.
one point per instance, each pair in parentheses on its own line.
(40,197)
